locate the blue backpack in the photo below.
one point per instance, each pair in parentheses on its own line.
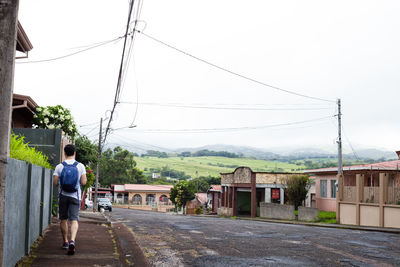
(69,177)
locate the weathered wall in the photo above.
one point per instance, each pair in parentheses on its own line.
(347,213)
(369,215)
(392,216)
(308,214)
(27,211)
(34,204)
(241,175)
(277,211)
(270,178)
(15,212)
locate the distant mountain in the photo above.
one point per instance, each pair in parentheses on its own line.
(283,153)
(245,150)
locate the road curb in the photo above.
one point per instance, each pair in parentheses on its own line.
(338,226)
(130,252)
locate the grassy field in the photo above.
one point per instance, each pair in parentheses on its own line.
(212,166)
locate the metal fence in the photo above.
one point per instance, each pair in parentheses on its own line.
(27,208)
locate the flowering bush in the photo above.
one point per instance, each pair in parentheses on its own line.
(55,117)
(90,178)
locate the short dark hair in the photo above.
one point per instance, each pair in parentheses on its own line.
(69,150)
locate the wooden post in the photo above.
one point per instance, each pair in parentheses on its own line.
(222,196)
(359,195)
(383,196)
(253,196)
(8,37)
(234,200)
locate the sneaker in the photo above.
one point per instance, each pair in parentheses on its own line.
(65,245)
(71,247)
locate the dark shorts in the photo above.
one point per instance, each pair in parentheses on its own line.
(68,208)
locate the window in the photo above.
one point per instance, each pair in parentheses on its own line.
(323,185)
(137,200)
(163,200)
(150,199)
(333,188)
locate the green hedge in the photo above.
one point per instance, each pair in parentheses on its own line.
(20,150)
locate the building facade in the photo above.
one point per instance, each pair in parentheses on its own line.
(367,195)
(143,196)
(243,190)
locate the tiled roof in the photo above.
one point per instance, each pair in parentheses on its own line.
(147,187)
(201,197)
(384,166)
(216,188)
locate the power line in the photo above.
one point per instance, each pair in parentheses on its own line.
(121,69)
(230,129)
(72,54)
(227,108)
(230,71)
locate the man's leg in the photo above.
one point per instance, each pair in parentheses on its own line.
(74,229)
(64,229)
(63,215)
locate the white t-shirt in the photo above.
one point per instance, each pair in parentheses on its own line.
(81,171)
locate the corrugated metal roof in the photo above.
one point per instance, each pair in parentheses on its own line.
(393,165)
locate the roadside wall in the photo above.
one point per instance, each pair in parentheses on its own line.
(277,211)
(27,208)
(308,214)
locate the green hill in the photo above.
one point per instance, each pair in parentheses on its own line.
(211,166)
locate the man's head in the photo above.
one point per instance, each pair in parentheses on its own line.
(69,150)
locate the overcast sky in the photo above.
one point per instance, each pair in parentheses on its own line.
(326,49)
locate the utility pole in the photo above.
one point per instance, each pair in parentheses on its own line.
(96,186)
(340,162)
(8,37)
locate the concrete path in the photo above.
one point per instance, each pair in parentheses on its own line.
(97,244)
(171,240)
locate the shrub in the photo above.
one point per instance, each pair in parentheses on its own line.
(20,150)
(198,210)
(297,187)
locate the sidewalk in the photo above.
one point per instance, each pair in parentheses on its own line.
(97,244)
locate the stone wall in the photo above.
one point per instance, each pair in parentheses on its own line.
(241,175)
(277,211)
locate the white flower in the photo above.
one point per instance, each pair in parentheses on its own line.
(67,117)
(51,126)
(38,109)
(52,115)
(60,111)
(35,116)
(70,128)
(46,120)
(41,121)
(46,112)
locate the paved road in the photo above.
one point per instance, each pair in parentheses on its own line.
(175,240)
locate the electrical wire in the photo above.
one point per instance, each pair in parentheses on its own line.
(71,54)
(230,71)
(208,130)
(121,68)
(227,108)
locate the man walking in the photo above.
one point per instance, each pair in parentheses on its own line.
(69,175)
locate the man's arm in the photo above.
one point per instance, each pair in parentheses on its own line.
(83,179)
(55,180)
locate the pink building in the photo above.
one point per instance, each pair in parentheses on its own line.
(326,183)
